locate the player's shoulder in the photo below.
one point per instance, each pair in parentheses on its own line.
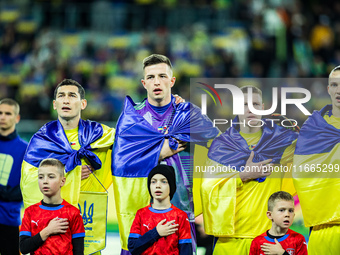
(260,237)
(142,210)
(22,141)
(179,212)
(70,207)
(296,235)
(33,208)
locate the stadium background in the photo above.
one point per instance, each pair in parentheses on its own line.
(101,45)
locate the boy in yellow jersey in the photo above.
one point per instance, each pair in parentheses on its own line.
(233,203)
(317,179)
(82,146)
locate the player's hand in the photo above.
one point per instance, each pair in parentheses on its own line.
(179,99)
(272,249)
(166,151)
(85,171)
(166,228)
(54,227)
(255,170)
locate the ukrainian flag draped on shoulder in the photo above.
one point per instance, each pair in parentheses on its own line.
(231,149)
(138,144)
(51,142)
(316,179)
(219,191)
(136,152)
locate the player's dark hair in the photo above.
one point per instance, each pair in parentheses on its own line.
(70,82)
(277,196)
(155,59)
(11,102)
(53,162)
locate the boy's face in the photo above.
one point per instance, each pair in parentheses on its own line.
(248,115)
(158,82)
(282,214)
(159,187)
(50,180)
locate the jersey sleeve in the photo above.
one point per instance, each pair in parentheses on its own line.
(25,229)
(184,242)
(254,247)
(138,243)
(184,229)
(77,225)
(301,247)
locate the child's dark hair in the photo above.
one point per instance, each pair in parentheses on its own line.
(70,82)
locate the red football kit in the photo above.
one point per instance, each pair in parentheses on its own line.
(144,237)
(292,242)
(37,217)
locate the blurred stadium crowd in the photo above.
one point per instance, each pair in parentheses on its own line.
(101,44)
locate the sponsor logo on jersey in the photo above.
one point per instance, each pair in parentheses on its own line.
(290,251)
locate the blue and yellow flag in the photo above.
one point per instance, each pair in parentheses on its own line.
(316,175)
(136,152)
(232,208)
(51,142)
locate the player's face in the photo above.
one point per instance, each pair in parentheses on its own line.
(50,180)
(68,103)
(248,116)
(334,88)
(158,81)
(159,187)
(8,118)
(282,214)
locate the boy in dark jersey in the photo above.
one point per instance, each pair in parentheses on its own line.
(52,226)
(161,228)
(280,240)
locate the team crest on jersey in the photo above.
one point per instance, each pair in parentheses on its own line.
(290,251)
(251,147)
(163,128)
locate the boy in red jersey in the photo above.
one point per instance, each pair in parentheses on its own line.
(161,228)
(280,240)
(52,226)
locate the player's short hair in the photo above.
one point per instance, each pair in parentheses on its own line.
(337,68)
(278,196)
(11,102)
(70,82)
(155,59)
(256,90)
(53,162)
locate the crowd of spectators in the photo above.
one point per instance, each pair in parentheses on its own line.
(248,39)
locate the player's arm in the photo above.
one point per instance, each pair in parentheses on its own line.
(255,170)
(78,233)
(301,247)
(139,243)
(184,242)
(273,249)
(86,171)
(166,151)
(78,246)
(29,244)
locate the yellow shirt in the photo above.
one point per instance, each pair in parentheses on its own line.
(245,216)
